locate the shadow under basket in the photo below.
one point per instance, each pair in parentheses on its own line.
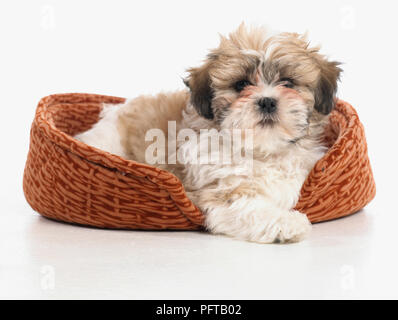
(67,180)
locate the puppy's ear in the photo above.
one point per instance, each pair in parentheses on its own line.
(201,92)
(325,91)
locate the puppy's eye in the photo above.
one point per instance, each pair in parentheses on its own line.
(241,84)
(287,82)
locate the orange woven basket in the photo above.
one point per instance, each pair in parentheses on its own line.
(67,180)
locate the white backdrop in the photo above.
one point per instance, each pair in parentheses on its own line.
(126,48)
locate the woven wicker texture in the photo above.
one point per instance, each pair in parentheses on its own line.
(67,180)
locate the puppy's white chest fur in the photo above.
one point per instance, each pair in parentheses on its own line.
(277,178)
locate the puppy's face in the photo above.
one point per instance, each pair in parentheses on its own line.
(275,86)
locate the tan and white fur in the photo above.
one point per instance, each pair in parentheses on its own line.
(277,86)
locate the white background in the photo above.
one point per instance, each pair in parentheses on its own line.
(126,48)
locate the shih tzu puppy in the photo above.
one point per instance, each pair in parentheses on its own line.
(277,88)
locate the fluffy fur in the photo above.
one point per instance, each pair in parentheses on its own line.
(246,200)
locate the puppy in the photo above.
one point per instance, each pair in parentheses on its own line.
(278,91)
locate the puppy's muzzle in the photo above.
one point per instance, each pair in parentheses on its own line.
(267,105)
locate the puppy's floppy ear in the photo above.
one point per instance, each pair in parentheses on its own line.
(201,92)
(325,91)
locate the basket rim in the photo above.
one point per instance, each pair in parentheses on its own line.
(352,122)
(74,147)
(335,161)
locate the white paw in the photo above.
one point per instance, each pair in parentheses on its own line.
(261,227)
(292,226)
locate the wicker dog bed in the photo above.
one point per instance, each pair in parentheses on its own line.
(67,180)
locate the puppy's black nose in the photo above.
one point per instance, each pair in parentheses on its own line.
(267,105)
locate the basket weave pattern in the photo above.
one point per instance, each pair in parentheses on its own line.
(67,180)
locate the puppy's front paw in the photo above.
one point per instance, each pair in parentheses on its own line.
(294,226)
(291,226)
(267,226)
